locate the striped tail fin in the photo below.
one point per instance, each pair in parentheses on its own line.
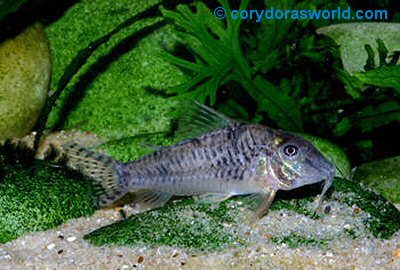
(102,169)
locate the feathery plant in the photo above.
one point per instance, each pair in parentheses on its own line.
(219,59)
(286,75)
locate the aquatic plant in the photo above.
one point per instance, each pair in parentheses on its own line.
(295,78)
(280,73)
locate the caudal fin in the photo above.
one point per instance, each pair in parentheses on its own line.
(102,169)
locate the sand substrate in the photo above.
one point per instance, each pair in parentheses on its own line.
(64,247)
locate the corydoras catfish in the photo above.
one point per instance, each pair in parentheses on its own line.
(223,158)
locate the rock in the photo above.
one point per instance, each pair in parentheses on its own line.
(114,103)
(25,66)
(382,176)
(36,195)
(353,36)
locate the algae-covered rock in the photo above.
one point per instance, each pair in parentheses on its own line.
(382,176)
(114,101)
(24,81)
(38,196)
(353,36)
(383,218)
(199,225)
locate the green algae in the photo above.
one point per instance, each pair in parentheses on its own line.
(185,223)
(116,102)
(38,196)
(298,205)
(382,176)
(384,218)
(294,240)
(133,147)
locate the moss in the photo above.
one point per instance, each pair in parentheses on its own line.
(184,224)
(294,240)
(383,220)
(115,102)
(298,205)
(38,196)
(382,176)
(131,148)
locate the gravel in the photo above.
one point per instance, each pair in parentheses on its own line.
(64,247)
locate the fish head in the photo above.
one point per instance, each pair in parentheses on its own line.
(296,162)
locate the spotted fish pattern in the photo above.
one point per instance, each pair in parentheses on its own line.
(229,159)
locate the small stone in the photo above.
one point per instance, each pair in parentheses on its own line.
(51,246)
(60,235)
(327,209)
(125,266)
(396,253)
(140,259)
(71,239)
(347,226)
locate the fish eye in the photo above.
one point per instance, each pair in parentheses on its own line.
(290,150)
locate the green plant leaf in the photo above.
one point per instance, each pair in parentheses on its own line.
(384,76)
(219,59)
(383,52)
(370,63)
(369,118)
(281,108)
(216,48)
(353,36)
(10,6)
(352,84)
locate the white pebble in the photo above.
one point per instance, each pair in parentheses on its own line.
(71,239)
(347,226)
(125,266)
(51,246)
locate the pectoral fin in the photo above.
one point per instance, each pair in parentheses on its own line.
(213,197)
(262,202)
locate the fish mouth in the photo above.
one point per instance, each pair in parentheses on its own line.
(324,170)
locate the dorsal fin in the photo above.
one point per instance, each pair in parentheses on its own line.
(196,119)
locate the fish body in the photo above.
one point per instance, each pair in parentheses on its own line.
(232,159)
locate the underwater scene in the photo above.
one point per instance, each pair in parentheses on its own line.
(199,134)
